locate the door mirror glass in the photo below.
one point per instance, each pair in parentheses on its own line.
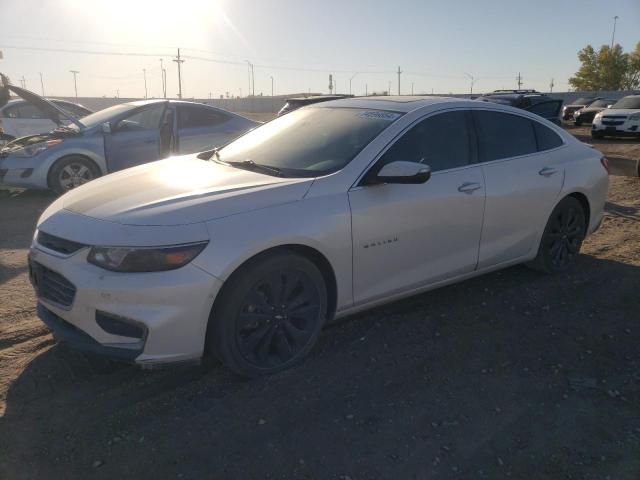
(106,127)
(403,172)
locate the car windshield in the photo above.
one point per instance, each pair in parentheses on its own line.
(309,142)
(583,101)
(105,115)
(627,102)
(601,103)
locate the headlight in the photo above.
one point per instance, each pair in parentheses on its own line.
(598,116)
(634,117)
(36,148)
(152,259)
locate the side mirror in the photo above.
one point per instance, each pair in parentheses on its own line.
(106,127)
(403,172)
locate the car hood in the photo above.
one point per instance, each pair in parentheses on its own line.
(180,191)
(45,106)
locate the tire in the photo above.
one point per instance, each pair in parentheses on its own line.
(596,135)
(269,315)
(70,172)
(562,237)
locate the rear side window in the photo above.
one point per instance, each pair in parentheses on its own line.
(502,135)
(30,111)
(547,138)
(199,117)
(441,141)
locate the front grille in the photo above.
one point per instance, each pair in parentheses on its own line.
(612,123)
(613,120)
(51,285)
(57,244)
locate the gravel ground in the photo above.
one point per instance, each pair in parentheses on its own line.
(511,375)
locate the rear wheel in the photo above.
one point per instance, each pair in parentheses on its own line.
(71,172)
(269,315)
(562,237)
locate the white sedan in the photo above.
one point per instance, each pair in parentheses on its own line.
(246,252)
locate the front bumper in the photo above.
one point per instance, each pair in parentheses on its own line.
(172,309)
(23,172)
(625,128)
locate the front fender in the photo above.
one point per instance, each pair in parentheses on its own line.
(321,223)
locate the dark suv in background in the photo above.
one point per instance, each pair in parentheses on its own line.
(530,100)
(575,105)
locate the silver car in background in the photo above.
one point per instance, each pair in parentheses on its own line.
(325,211)
(112,139)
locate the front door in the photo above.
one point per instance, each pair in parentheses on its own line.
(407,236)
(135,139)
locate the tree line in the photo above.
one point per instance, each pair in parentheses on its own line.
(607,69)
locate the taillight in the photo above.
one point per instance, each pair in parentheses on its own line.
(605,163)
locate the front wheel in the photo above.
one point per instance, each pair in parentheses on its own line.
(71,172)
(269,315)
(562,237)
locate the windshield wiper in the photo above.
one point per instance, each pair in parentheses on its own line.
(251,165)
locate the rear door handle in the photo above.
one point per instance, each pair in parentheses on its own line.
(547,171)
(469,187)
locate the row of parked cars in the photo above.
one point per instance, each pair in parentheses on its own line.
(61,145)
(608,117)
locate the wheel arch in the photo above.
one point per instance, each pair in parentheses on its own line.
(310,253)
(584,201)
(72,154)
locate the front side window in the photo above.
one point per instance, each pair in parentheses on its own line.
(193,116)
(145,119)
(502,135)
(310,142)
(440,141)
(75,110)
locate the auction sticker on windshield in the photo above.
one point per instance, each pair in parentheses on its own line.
(379,115)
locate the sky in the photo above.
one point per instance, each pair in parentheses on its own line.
(438,45)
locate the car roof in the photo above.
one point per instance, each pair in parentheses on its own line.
(141,103)
(393,103)
(17,101)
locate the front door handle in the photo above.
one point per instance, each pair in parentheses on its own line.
(547,171)
(469,187)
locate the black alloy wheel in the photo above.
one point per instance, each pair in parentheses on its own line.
(562,238)
(269,315)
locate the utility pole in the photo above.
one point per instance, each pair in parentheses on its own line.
(179,61)
(209,95)
(411,88)
(352,77)
(472,82)
(23,82)
(117,93)
(271,85)
(366,89)
(75,82)
(389,89)
(42,84)
(613,35)
(399,72)
(252,79)
(144,72)
(519,80)
(163,76)
(330,84)
(551,86)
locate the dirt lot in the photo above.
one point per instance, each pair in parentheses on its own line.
(511,375)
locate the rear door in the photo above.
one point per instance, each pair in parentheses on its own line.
(523,179)
(135,139)
(407,236)
(201,127)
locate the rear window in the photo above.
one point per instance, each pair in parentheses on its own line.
(628,102)
(583,101)
(546,138)
(502,135)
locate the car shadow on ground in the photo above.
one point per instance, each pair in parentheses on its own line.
(507,374)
